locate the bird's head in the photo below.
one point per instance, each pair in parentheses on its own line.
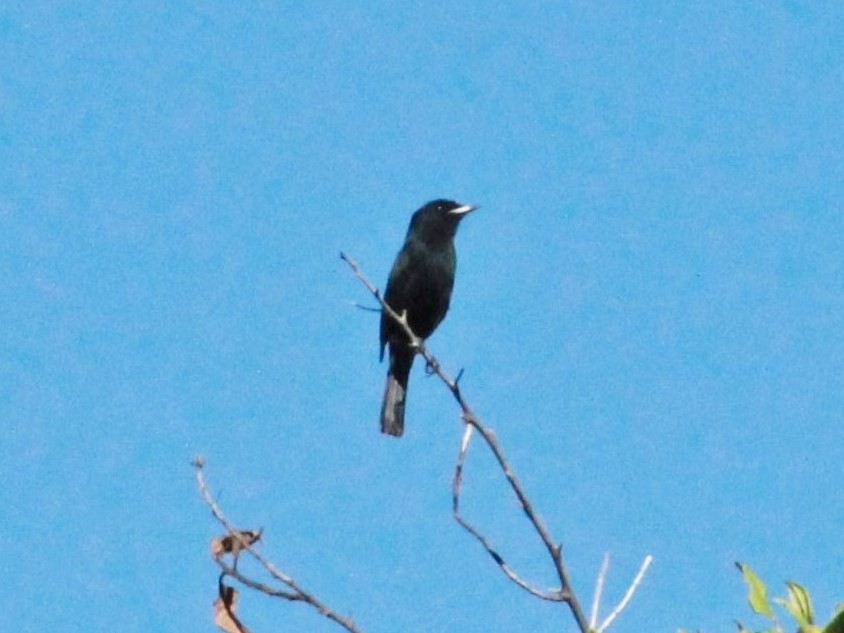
(437,221)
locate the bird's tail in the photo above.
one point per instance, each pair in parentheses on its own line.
(395,393)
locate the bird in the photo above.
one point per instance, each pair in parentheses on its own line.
(419,285)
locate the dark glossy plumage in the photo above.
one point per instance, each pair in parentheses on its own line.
(420,282)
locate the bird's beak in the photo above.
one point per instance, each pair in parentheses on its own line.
(466,208)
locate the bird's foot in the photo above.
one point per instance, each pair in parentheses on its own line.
(417,345)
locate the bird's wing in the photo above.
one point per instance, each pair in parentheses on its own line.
(398,274)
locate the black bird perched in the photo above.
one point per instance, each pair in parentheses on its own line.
(420,283)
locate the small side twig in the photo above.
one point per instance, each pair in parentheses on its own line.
(360,306)
(295,593)
(551,595)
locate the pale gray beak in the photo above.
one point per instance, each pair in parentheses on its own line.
(466,208)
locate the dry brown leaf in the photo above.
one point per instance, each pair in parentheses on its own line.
(224,611)
(229,544)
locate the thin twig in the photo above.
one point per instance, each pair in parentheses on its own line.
(599,589)
(565,592)
(552,595)
(627,596)
(360,306)
(297,593)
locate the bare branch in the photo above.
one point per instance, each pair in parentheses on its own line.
(627,596)
(565,592)
(599,589)
(246,540)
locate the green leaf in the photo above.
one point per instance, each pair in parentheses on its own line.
(837,624)
(758,594)
(799,605)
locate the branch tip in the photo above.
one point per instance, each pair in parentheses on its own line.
(628,595)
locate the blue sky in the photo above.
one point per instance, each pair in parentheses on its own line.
(649,305)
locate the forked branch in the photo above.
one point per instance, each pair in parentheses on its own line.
(564,593)
(238,541)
